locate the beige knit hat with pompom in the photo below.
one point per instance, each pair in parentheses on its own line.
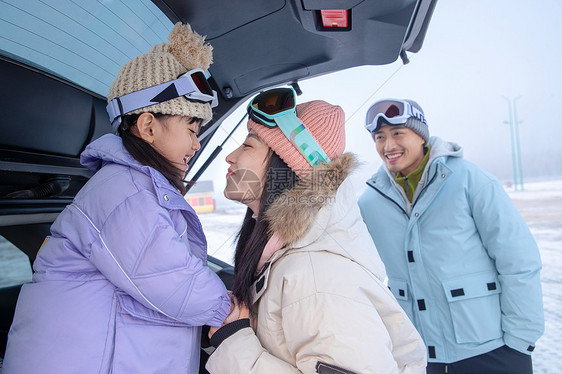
(185,51)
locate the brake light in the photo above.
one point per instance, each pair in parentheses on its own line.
(335,18)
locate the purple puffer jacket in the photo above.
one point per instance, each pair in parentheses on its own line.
(122,285)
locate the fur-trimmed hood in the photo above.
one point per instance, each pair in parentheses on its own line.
(292,213)
(321,214)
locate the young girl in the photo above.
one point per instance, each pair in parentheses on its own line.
(305,264)
(122,284)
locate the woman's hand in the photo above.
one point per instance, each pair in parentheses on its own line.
(244,312)
(234,310)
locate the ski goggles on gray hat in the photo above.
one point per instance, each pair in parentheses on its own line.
(392,112)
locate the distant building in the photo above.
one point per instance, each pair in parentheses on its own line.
(200,197)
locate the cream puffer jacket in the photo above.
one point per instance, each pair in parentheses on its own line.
(321,303)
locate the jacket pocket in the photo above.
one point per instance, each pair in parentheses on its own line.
(146,341)
(474,303)
(400,290)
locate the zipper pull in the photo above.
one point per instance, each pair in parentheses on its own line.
(407,186)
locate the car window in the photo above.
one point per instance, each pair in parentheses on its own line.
(15,267)
(85,42)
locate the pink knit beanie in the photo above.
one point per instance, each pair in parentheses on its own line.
(324,121)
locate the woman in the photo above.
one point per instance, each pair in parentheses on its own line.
(305,265)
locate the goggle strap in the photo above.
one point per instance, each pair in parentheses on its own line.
(115,111)
(414,112)
(299,136)
(256,116)
(150,96)
(154,95)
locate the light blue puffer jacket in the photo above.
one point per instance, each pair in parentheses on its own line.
(122,285)
(460,260)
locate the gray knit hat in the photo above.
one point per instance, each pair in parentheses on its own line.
(165,62)
(417,124)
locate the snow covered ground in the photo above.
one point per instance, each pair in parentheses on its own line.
(540,204)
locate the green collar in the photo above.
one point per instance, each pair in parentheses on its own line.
(410,181)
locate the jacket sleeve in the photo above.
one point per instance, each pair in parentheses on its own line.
(511,245)
(140,252)
(319,332)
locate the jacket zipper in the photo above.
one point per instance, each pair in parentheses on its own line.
(424,189)
(386,197)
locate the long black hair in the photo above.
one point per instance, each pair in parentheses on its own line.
(254,233)
(146,155)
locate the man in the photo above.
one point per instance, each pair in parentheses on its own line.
(460,259)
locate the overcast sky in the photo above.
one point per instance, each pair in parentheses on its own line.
(474,53)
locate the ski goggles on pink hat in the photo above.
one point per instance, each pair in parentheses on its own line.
(192,85)
(392,112)
(277,108)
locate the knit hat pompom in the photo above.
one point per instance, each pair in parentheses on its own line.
(324,121)
(165,62)
(189,48)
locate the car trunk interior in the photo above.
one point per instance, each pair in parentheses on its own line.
(47,120)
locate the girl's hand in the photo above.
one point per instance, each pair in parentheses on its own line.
(237,312)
